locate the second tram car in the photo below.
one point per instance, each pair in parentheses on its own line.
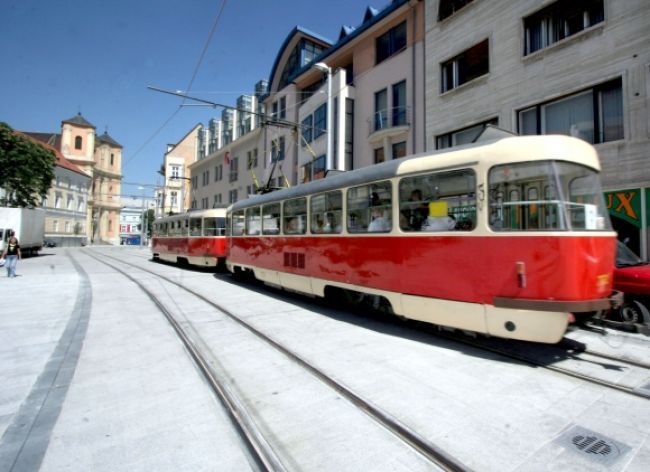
(196,238)
(507,237)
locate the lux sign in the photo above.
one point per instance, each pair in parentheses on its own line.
(625,204)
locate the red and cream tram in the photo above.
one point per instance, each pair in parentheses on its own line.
(196,238)
(506,237)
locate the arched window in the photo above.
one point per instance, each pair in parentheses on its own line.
(77,142)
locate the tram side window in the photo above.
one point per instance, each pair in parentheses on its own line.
(525,197)
(238,223)
(271,219)
(326,213)
(295,216)
(214,226)
(253,221)
(370,208)
(439,201)
(195,226)
(185,227)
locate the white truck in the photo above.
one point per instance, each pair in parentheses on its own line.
(28,224)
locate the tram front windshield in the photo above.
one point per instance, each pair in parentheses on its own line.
(546,196)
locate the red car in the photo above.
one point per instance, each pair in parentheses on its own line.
(632,277)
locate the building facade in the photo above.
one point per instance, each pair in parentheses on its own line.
(426,75)
(549,67)
(100,159)
(174,195)
(66,202)
(134,220)
(278,136)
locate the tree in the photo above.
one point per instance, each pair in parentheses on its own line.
(26,169)
(150,217)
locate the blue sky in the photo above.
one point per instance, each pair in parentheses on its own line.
(98,57)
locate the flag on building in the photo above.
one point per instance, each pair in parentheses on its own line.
(226,158)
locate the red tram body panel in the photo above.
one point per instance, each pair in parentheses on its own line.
(443,267)
(506,237)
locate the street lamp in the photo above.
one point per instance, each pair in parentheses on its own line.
(321,66)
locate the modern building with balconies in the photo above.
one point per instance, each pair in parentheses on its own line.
(580,68)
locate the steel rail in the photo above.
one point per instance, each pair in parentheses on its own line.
(420,444)
(261,452)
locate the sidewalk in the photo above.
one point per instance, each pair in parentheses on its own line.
(70,334)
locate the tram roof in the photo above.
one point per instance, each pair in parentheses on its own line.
(509,146)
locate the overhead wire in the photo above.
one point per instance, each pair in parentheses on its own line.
(194,74)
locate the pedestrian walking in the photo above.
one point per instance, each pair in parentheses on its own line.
(11,254)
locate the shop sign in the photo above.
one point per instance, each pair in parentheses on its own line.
(625,204)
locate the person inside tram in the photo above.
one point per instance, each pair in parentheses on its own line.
(417,211)
(378,223)
(439,219)
(292,225)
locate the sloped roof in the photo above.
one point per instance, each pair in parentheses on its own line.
(296,32)
(79,121)
(105,138)
(345,30)
(53,139)
(347,34)
(42,139)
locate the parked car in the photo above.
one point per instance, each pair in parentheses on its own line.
(632,277)
(49,243)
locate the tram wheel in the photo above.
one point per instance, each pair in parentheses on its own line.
(634,312)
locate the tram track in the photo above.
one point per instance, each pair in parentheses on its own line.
(549,356)
(257,443)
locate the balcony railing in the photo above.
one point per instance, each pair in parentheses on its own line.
(389,118)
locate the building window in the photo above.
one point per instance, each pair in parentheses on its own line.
(77,142)
(218,173)
(112,159)
(399,103)
(66,227)
(195,181)
(307,130)
(467,66)
(274,112)
(55,226)
(175,172)
(449,7)
(232,196)
(283,108)
(217,200)
(381,103)
(277,149)
(320,120)
(234,169)
(57,200)
(560,20)
(594,115)
(463,136)
(252,159)
(391,42)
(173,198)
(399,150)
(379,155)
